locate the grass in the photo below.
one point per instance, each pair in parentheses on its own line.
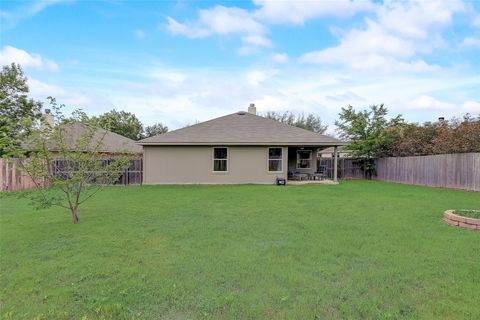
(358,250)
(469,213)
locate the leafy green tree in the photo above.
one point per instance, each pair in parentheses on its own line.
(154,130)
(67,168)
(310,122)
(122,122)
(18,113)
(365,130)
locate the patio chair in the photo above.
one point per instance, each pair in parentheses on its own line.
(321,173)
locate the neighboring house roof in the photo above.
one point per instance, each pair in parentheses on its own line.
(112,142)
(340,149)
(241,128)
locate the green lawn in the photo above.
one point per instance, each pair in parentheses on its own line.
(358,250)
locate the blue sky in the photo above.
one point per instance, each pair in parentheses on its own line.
(183,61)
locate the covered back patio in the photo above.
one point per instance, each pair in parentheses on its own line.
(302,164)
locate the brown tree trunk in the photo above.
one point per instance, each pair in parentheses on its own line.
(74,216)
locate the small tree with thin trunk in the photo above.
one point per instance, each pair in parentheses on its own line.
(365,129)
(67,163)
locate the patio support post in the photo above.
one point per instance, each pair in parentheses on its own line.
(335,163)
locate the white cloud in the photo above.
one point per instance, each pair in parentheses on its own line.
(472,107)
(255,77)
(280,57)
(393,39)
(297,12)
(417,19)
(426,102)
(370,49)
(41,90)
(186,29)
(10,54)
(257,40)
(471,42)
(222,21)
(252,44)
(252,25)
(218,20)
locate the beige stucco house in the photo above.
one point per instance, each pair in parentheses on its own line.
(237,148)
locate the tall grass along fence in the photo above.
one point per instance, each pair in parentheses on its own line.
(459,171)
(13,179)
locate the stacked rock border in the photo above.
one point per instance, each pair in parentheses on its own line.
(459,221)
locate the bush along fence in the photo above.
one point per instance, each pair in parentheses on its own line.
(13,179)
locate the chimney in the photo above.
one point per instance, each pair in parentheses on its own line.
(48,120)
(252,109)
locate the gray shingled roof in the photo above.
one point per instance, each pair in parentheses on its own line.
(112,142)
(241,128)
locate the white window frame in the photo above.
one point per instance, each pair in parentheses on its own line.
(268,160)
(310,159)
(213,159)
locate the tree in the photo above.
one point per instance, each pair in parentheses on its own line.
(155,129)
(310,122)
(18,113)
(71,167)
(446,136)
(365,130)
(122,122)
(457,136)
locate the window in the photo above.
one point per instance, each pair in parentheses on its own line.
(275,159)
(304,159)
(220,159)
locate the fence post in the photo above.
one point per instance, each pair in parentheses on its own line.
(1,175)
(335,163)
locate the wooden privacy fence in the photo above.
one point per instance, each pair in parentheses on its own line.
(13,179)
(459,171)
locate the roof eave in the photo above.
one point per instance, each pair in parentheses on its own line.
(332,143)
